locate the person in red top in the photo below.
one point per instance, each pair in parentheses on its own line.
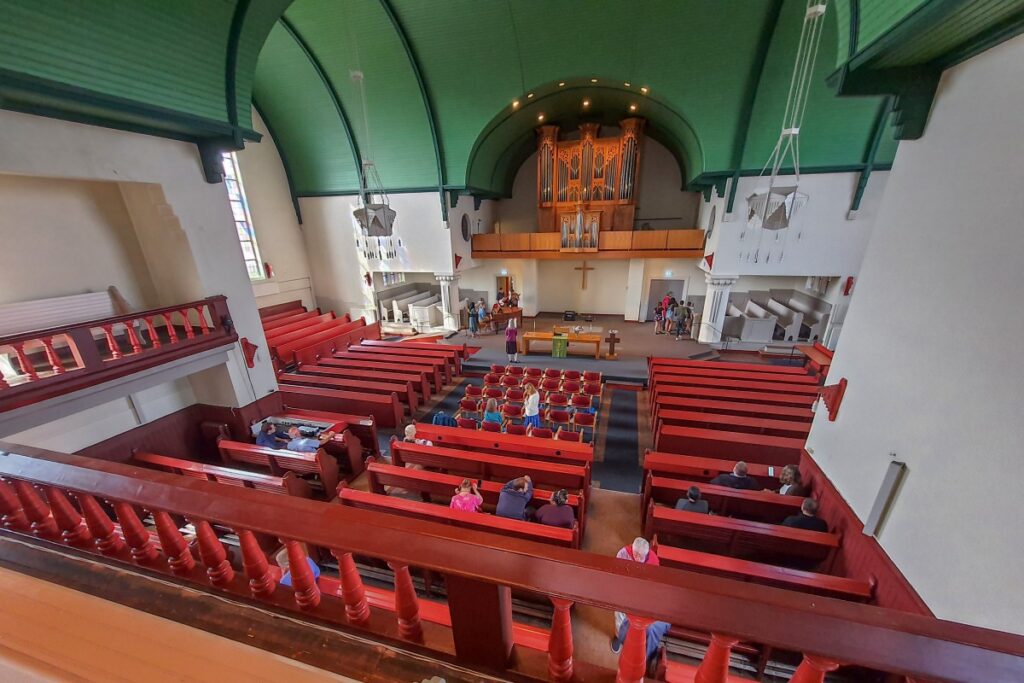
(639,551)
(511,341)
(664,307)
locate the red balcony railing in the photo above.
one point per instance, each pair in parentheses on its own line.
(63,500)
(59,360)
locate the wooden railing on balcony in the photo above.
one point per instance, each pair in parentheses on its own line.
(611,244)
(56,499)
(60,360)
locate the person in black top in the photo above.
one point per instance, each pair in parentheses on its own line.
(808,518)
(692,502)
(738,479)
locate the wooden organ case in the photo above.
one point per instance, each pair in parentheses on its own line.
(587,185)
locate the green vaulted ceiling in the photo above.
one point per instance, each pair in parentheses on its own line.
(440,77)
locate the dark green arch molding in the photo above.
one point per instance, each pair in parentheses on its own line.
(325,79)
(503,145)
(427,101)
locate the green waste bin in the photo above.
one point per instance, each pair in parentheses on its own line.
(559,346)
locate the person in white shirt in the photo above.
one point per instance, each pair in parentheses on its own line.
(531,407)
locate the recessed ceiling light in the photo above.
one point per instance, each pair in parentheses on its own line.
(529,95)
(593,80)
(515,104)
(643,89)
(626,84)
(632,107)
(561,84)
(586,103)
(540,117)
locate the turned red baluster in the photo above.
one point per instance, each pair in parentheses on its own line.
(51,356)
(213,555)
(133,337)
(307,593)
(254,561)
(633,658)
(203,327)
(171,332)
(108,332)
(154,341)
(813,669)
(108,541)
(36,510)
(407,606)
(560,647)
(135,535)
(72,528)
(174,545)
(715,667)
(189,333)
(13,514)
(352,593)
(26,365)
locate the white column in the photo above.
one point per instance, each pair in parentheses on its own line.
(716,303)
(634,289)
(451,317)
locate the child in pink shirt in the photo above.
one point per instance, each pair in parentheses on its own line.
(466,497)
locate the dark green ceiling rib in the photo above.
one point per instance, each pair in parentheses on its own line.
(230,83)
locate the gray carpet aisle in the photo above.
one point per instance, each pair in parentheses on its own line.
(619,471)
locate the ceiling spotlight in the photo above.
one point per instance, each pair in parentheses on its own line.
(540,117)
(586,103)
(632,107)
(515,104)
(593,80)
(643,89)
(529,95)
(626,84)
(561,84)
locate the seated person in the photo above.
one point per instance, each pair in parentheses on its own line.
(639,551)
(557,512)
(304,444)
(692,502)
(467,498)
(513,498)
(271,437)
(410,437)
(792,482)
(808,518)
(286,575)
(737,479)
(491,413)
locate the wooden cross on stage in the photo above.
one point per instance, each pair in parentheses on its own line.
(583,271)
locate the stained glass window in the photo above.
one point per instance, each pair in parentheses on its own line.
(243,220)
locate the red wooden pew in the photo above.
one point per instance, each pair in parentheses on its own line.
(738,384)
(706,405)
(819,357)
(489,466)
(285,347)
(715,443)
(386,410)
(402,390)
(362,427)
(299,330)
(659,372)
(454,354)
(278,321)
(324,345)
(765,506)
(421,358)
(698,468)
(733,423)
(767,397)
(290,325)
(531,531)
(385,362)
(279,461)
(751,367)
(418,382)
(267,312)
(287,484)
(531,447)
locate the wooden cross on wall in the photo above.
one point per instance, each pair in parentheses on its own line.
(583,271)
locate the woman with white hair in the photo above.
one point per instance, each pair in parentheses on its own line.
(639,551)
(410,437)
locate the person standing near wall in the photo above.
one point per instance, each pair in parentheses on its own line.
(664,310)
(512,341)
(473,320)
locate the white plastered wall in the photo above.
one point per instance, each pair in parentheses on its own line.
(931,350)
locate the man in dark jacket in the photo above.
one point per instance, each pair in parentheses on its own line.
(808,518)
(737,479)
(692,502)
(513,498)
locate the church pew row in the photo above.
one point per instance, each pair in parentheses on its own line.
(764,506)
(550,450)
(279,461)
(362,427)
(455,353)
(269,326)
(385,410)
(440,362)
(285,327)
(741,538)
(530,531)
(696,468)
(819,357)
(491,467)
(437,484)
(402,390)
(275,341)
(287,484)
(660,381)
(334,368)
(317,342)
(765,574)
(734,423)
(267,312)
(324,345)
(716,443)
(739,395)
(361,360)
(449,356)
(707,405)
(724,372)
(751,367)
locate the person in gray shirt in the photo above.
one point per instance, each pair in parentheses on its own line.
(693,502)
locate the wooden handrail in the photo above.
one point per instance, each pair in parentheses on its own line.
(825,629)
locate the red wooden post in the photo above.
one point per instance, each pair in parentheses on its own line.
(36,510)
(407,607)
(51,356)
(108,332)
(307,593)
(213,555)
(174,545)
(73,529)
(189,333)
(171,332)
(13,514)
(203,327)
(633,659)
(26,365)
(560,646)
(107,540)
(715,666)
(254,561)
(813,669)
(133,337)
(356,608)
(154,341)
(142,549)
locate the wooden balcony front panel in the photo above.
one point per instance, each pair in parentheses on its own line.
(487,242)
(618,240)
(650,239)
(545,241)
(612,244)
(515,241)
(685,239)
